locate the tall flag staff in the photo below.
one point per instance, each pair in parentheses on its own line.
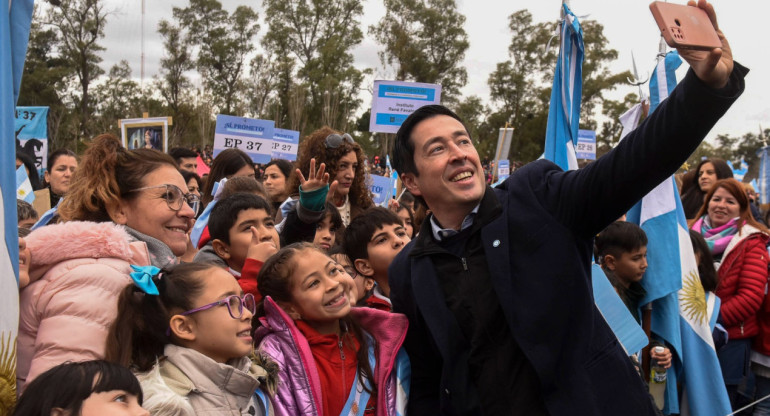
(764,169)
(561,133)
(681,309)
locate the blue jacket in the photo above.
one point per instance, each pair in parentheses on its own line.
(539,253)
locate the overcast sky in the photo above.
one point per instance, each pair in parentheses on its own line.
(628,25)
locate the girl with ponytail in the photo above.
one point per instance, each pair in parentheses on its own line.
(186,331)
(123,208)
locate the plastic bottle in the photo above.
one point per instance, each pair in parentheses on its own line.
(658,380)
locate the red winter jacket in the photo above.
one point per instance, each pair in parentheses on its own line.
(742,281)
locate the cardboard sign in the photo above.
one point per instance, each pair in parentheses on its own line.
(253,136)
(393,101)
(285,144)
(586,145)
(31,130)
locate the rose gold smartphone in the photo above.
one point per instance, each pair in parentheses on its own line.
(685,27)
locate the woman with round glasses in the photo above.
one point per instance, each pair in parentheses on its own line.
(344,161)
(123,208)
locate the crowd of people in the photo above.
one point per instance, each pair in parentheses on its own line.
(283,289)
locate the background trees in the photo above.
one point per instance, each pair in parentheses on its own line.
(300,71)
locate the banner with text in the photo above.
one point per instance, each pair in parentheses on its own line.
(586,145)
(32,134)
(253,136)
(393,101)
(285,144)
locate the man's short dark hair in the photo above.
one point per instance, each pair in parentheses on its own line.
(225,213)
(618,238)
(403,148)
(362,228)
(179,153)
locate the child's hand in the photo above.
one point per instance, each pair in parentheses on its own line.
(260,250)
(316,179)
(664,358)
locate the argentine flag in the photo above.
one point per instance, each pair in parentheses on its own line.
(561,133)
(681,312)
(24,186)
(14,35)
(738,174)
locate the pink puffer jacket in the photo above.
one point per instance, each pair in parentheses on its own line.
(78,270)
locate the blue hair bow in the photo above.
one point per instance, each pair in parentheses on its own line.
(142,277)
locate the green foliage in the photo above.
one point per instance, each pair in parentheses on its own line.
(223,43)
(425,41)
(609,135)
(520,86)
(45,80)
(320,36)
(80,25)
(173,65)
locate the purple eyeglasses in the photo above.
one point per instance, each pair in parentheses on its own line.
(233,302)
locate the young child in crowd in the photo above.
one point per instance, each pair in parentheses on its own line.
(243,234)
(187,332)
(327,229)
(622,254)
(25,214)
(372,241)
(364,285)
(88,388)
(333,359)
(230,186)
(313,219)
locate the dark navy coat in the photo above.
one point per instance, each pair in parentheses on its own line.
(539,253)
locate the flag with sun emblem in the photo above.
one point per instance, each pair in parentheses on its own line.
(14,35)
(681,311)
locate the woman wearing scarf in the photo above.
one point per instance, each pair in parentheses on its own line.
(738,244)
(124,208)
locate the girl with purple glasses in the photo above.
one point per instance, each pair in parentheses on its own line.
(186,331)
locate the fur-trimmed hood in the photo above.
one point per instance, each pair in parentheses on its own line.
(53,244)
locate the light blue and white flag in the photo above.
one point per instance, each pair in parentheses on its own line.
(680,310)
(393,179)
(615,312)
(14,36)
(561,133)
(24,189)
(764,175)
(738,174)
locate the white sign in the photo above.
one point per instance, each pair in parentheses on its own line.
(394,101)
(503,169)
(253,136)
(586,145)
(285,144)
